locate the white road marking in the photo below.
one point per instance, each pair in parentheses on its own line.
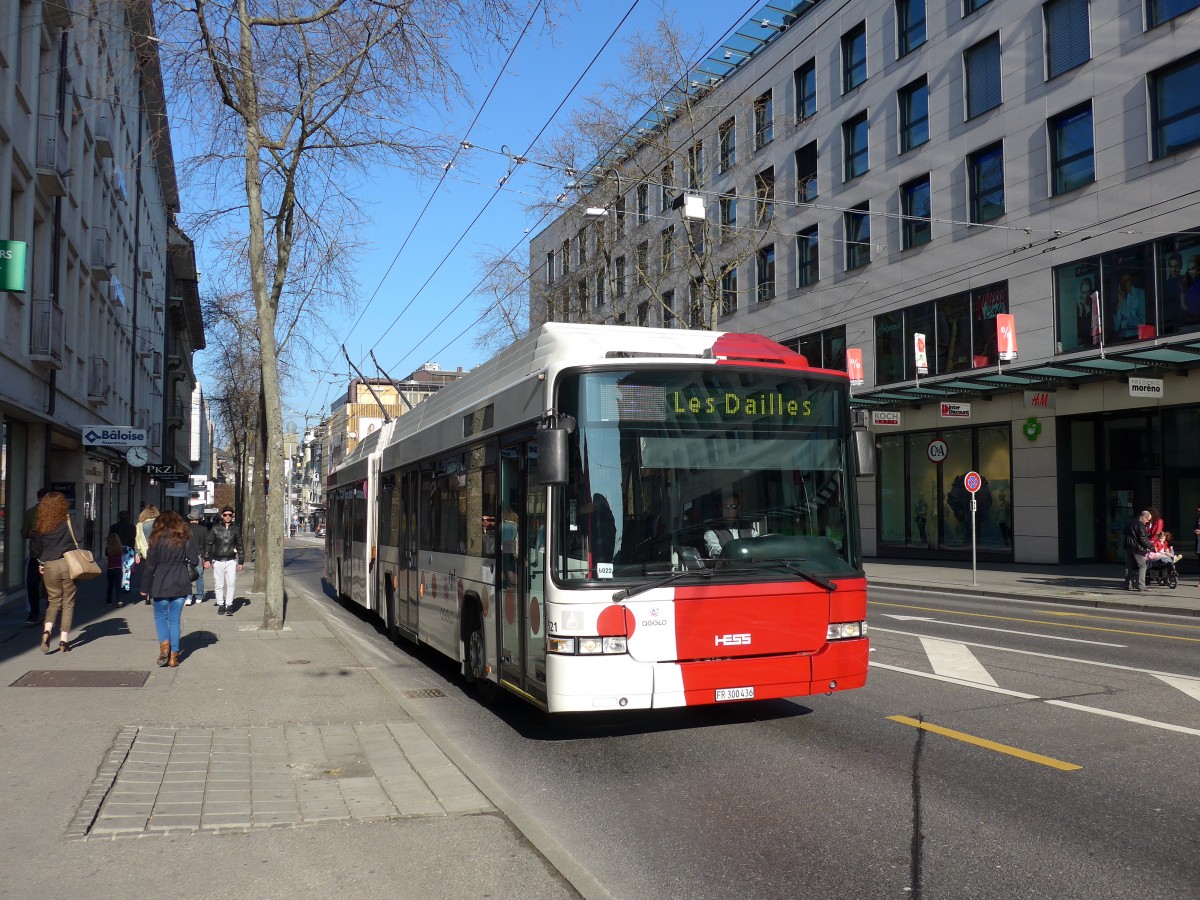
(1190,686)
(956,661)
(1047,637)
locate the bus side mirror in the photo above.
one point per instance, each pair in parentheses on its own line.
(864,450)
(552,456)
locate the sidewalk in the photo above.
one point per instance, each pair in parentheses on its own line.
(1097,585)
(268,763)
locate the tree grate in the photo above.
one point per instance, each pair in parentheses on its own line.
(423,694)
(82,678)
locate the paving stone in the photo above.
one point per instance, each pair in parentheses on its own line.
(225,820)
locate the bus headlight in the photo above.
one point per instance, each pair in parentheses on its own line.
(560,645)
(840,631)
(587,646)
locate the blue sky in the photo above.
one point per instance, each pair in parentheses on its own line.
(537,80)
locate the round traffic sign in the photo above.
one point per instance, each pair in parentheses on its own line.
(972,482)
(937,451)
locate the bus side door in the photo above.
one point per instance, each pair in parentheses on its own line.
(521,571)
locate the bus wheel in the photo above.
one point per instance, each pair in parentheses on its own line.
(475,668)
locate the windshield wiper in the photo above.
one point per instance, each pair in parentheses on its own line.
(790,566)
(626,593)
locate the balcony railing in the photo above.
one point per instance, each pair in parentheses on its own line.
(46,333)
(52,156)
(105,129)
(101,257)
(98,380)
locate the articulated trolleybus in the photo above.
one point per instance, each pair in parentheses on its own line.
(609,517)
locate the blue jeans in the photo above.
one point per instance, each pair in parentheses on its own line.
(168,613)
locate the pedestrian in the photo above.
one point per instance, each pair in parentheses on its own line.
(223,552)
(51,539)
(145,525)
(114,550)
(1137,545)
(124,529)
(34,589)
(200,539)
(166,578)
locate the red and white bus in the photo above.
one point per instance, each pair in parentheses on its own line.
(609,517)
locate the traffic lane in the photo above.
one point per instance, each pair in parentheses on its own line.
(1160,642)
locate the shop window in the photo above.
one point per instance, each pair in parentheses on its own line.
(889,347)
(1078,304)
(1178,267)
(1128,288)
(986,304)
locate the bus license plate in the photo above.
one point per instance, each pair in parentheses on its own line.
(742,693)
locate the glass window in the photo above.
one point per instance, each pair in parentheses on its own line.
(668,309)
(667,187)
(854,140)
(857,224)
(667,248)
(695,166)
(643,314)
(889,347)
(598,298)
(981,64)
(566,257)
(1072,157)
(806,173)
(914,114)
(619,277)
(1178,262)
(729,291)
(696,304)
(854,57)
(764,195)
(643,203)
(923,492)
(807,255)
(910,25)
(805,79)
(1077,301)
(620,216)
(1128,289)
(918,319)
(550,267)
(986,172)
(969,6)
(727,208)
(986,304)
(763,121)
(1159,11)
(914,199)
(765,271)
(1068,35)
(642,261)
(726,145)
(891,489)
(952,335)
(1175,106)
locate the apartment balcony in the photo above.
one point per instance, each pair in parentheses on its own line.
(46,333)
(101,255)
(106,126)
(147,261)
(175,353)
(98,383)
(176,414)
(156,365)
(52,156)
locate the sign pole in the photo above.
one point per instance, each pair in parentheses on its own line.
(973,541)
(973,481)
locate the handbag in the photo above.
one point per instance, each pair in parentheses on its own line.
(81,565)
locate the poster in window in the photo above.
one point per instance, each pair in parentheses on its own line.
(1179,282)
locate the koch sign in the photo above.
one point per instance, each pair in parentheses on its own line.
(1146,387)
(885,417)
(956,410)
(113,436)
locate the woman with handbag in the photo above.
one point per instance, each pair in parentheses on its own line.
(171,565)
(50,540)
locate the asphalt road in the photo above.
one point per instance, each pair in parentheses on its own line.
(1000,749)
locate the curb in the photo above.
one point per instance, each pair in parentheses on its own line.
(1085,598)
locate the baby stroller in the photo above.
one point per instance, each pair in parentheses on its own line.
(1162,571)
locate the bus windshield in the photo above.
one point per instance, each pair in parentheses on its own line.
(721,472)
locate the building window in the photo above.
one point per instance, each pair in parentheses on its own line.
(806,173)
(697,231)
(1175,106)
(580,250)
(598,298)
(643,203)
(981,64)
(854,140)
(764,196)
(642,261)
(668,309)
(583,300)
(914,114)
(1068,35)
(857,225)
(667,247)
(619,216)
(914,198)
(643,314)
(550,267)
(619,277)
(969,6)
(806,257)
(1072,146)
(726,145)
(696,304)
(910,25)
(805,79)
(985,169)
(1159,11)
(854,57)
(727,206)
(695,166)
(729,291)
(765,272)
(825,349)
(667,187)
(566,257)
(763,121)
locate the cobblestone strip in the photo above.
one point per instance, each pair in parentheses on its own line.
(453,791)
(227,793)
(130,803)
(106,775)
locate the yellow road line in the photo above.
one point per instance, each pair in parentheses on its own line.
(988,745)
(954,612)
(1079,615)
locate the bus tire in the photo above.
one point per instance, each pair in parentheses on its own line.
(475,661)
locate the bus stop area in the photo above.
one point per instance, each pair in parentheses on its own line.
(277,763)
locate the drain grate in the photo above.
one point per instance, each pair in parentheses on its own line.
(81,678)
(423,694)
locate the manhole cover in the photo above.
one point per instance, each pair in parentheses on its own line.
(423,693)
(81,678)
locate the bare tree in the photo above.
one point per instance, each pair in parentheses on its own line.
(300,100)
(506,315)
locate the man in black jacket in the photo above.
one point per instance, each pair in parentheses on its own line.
(223,552)
(1137,545)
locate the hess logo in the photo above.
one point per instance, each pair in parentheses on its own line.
(731,640)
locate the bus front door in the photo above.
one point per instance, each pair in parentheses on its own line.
(522,571)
